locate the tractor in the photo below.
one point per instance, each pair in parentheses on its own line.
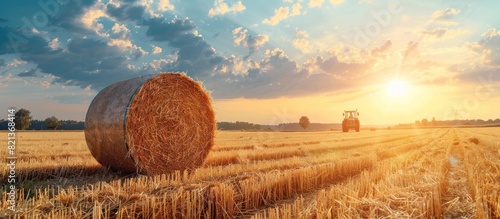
(351,120)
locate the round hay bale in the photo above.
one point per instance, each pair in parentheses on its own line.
(151,125)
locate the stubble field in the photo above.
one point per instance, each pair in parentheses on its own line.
(413,173)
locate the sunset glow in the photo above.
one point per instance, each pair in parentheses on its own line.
(314,58)
(397,88)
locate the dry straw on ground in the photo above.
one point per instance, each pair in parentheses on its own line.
(151,125)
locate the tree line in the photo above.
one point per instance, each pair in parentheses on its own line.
(24,121)
(464,122)
(238,126)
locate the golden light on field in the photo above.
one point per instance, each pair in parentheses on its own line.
(397,88)
(385,173)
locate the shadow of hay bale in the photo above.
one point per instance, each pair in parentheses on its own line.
(151,125)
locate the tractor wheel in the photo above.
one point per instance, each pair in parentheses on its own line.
(344,128)
(357,127)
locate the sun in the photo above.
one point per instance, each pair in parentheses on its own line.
(397,88)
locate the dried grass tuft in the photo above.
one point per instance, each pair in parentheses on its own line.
(169,125)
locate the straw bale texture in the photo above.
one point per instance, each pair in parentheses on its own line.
(151,125)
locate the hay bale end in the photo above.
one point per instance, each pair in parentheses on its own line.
(151,125)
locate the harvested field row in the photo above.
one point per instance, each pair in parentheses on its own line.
(390,182)
(442,188)
(408,174)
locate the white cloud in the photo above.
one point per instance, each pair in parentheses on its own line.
(239,35)
(337,2)
(296,9)
(150,7)
(157,50)
(301,42)
(437,32)
(411,51)
(121,43)
(120,38)
(242,38)
(488,47)
(44,84)
(301,34)
(120,31)
(234,66)
(349,54)
(126,45)
(238,66)
(319,3)
(16,63)
(221,8)
(316,3)
(279,15)
(491,33)
(381,53)
(119,28)
(54,44)
(442,33)
(165,5)
(158,64)
(474,47)
(276,52)
(230,67)
(90,19)
(312,64)
(303,45)
(252,64)
(445,13)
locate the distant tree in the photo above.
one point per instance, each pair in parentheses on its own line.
(23,119)
(417,122)
(52,122)
(497,120)
(424,122)
(433,121)
(304,122)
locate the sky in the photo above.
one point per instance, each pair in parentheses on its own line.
(265,62)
